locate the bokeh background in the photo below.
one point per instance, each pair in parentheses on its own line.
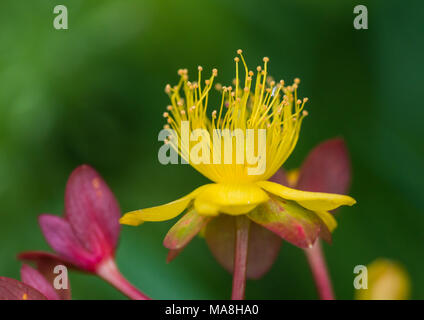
(94,94)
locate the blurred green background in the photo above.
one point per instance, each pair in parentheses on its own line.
(94,94)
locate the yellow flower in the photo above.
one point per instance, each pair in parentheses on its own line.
(251,104)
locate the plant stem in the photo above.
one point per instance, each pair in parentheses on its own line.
(318,267)
(109,272)
(240,257)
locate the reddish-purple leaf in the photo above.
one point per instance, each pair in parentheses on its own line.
(289,220)
(41,257)
(280,177)
(11,289)
(184,230)
(326,168)
(264,247)
(45,263)
(92,211)
(35,279)
(60,236)
(262,251)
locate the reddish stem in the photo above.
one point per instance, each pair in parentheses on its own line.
(318,267)
(240,257)
(110,273)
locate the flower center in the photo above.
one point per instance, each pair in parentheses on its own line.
(248,137)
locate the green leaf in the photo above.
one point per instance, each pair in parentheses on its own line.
(184,230)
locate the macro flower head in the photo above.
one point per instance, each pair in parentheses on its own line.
(254,103)
(273,114)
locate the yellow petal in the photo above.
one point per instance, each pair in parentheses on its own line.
(328,219)
(314,201)
(230,198)
(160,213)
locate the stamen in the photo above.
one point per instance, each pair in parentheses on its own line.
(260,104)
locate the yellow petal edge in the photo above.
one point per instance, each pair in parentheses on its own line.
(314,201)
(160,213)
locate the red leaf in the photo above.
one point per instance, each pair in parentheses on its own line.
(45,263)
(35,279)
(326,168)
(92,211)
(11,289)
(60,236)
(262,251)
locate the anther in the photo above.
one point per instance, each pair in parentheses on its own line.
(305,113)
(266,59)
(215,72)
(239,51)
(236,59)
(199,68)
(165,114)
(297,80)
(169,108)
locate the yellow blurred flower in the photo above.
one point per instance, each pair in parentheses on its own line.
(387,280)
